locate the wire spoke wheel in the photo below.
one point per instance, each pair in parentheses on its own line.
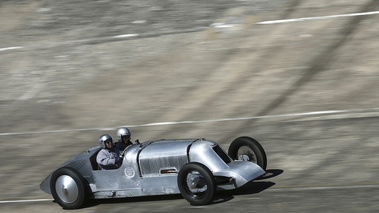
(245,153)
(196,183)
(248,149)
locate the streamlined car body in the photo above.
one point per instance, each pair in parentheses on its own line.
(195,168)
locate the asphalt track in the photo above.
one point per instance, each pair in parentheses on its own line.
(300,77)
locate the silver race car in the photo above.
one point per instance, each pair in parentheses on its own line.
(195,168)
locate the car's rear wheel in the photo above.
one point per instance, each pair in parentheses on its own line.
(196,183)
(68,188)
(248,149)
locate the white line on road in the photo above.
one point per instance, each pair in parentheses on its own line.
(318,17)
(10,48)
(327,112)
(126,36)
(222,25)
(25,201)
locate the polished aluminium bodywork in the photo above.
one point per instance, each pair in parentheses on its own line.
(151,168)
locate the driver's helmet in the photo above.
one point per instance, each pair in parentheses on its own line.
(105,138)
(123,131)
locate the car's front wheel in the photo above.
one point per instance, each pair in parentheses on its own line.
(68,189)
(196,184)
(248,149)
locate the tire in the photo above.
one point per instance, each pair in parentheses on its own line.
(248,149)
(196,184)
(68,188)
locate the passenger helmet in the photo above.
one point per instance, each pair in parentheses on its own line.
(105,138)
(123,131)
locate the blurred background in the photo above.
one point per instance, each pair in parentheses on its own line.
(304,85)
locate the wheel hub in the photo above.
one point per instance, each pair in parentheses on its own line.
(197,183)
(244,157)
(64,190)
(246,154)
(67,189)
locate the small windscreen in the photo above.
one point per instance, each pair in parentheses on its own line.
(220,152)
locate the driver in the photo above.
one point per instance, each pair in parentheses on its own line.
(108,157)
(123,137)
